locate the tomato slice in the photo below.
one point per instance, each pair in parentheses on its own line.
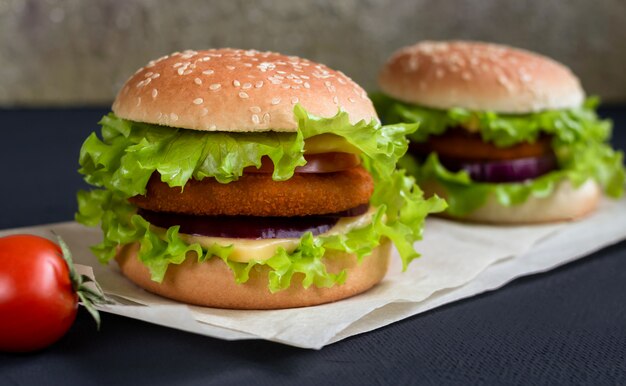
(315,163)
(457,143)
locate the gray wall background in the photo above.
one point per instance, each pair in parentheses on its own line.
(79,52)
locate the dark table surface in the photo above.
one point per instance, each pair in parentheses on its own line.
(567,326)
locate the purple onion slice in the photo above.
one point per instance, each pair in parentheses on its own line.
(514,170)
(249,227)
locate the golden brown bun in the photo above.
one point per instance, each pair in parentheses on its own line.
(479,76)
(564,204)
(238,91)
(212,284)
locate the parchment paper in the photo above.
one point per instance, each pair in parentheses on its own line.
(458,261)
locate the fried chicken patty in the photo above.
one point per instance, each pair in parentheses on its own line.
(259,195)
(456,143)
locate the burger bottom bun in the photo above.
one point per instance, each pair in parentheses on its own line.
(212,284)
(566,203)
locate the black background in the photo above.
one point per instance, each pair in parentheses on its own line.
(562,327)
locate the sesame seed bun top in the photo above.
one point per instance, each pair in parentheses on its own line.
(479,76)
(238,91)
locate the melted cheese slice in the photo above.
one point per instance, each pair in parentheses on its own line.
(328,143)
(251,249)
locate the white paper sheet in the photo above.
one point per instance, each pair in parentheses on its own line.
(459,261)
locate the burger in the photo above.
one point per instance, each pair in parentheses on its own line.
(506,135)
(249,180)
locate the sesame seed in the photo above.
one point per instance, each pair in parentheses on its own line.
(148,74)
(259,84)
(206,59)
(246,86)
(236,83)
(205,111)
(208,72)
(138,101)
(230,67)
(181,70)
(198,101)
(266,117)
(275,101)
(197,81)
(155,92)
(212,127)
(243,95)
(155,75)
(215,86)
(173,117)
(286,86)
(264,66)
(307,85)
(176,65)
(294,100)
(336,100)
(255,109)
(255,119)
(187,72)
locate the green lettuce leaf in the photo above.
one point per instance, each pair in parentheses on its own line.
(503,130)
(129,152)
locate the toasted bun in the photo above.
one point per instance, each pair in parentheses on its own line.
(238,91)
(479,76)
(564,204)
(211,283)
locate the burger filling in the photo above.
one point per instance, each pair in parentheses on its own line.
(281,200)
(475,154)
(459,150)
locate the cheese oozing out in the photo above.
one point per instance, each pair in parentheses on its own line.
(246,250)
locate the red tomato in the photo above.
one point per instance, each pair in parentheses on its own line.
(37,301)
(315,163)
